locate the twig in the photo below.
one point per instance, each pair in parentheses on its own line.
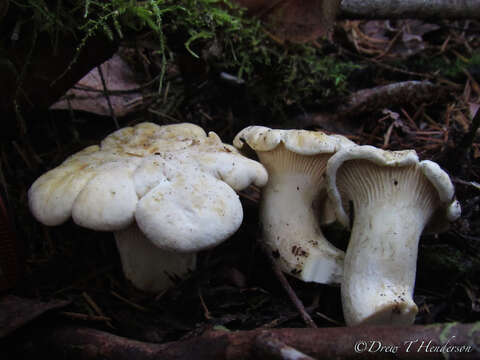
(129,302)
(161,114)
(120,92)
(409,119)
(283,280)
(110,107)
(389,67)
(22,154)
(71,113)
(286,317)
(95,307)
(329,319)
(409,9)
(390,45)
(268,346)
(85,317)
(475,184)
(467,237)
(206,312)
(248,197)
(469,137)
(251,193)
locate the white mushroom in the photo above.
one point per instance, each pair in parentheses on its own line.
(392,197)
(165,191)
(296,161)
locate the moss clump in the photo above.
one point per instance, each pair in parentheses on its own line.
(278,75)
(450,67)
(457,67)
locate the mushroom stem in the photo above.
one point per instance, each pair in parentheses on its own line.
(391,208)
(147,266)
(379,290)
(291,228)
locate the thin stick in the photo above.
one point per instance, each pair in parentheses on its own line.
(329,319)
(269,346)
(85,317)
(285,317)
(283,280)
(206,312)
(105,93)
(128,302)
(22,154)
(409,9)
(469,137)
(95,307)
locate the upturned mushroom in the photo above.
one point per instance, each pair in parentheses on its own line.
(387,198)
(166,192)
(296,161)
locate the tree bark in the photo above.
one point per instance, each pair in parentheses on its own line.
(373,342)
(404,9)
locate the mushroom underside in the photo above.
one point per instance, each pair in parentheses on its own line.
(390,206)
(290,225)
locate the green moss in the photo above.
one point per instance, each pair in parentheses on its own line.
(450,67)
(445,336)
(457,67)
(278,75)
(446,260)
(475,327)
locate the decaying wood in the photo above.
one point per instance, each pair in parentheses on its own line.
(374,9)
(410,9)
(301,21)
(344,119)
(406,92)
(15,312)
(458,341)
(292,20)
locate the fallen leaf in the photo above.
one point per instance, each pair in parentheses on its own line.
(473,108)
(390,39)
(87,95)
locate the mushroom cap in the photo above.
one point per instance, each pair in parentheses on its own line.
(176,182)
(449,207)
(304,142)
